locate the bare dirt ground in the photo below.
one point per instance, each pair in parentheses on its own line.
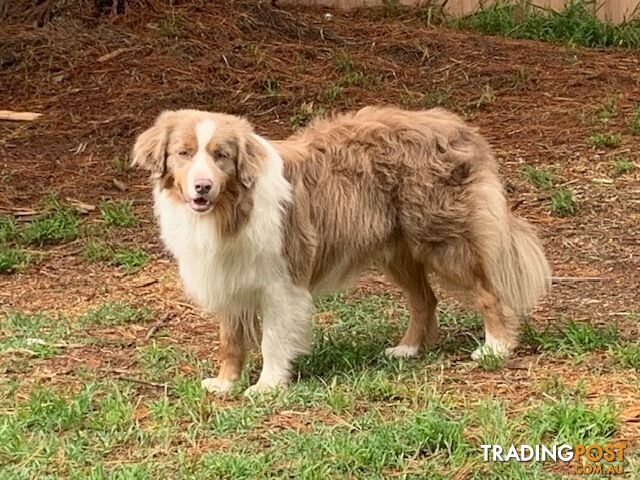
(100,80)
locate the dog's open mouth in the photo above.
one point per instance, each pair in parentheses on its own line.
(200,204)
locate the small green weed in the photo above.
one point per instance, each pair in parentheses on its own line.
(569,420)
(270,86)
(130,260)
(608,109)
(304,114)
(635,121)
(627,355)
(114,313)
(542,178)
(59,224)
(562,203)
(621,166)
(120,164)
(8,229)
(331,93)
(573,338)
(96,250)
(491,362)
(13,260)
(608,140)
(118,213)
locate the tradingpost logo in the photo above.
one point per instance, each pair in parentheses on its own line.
(593,459)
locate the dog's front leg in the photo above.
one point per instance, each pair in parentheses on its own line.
(286,333)
(233,350)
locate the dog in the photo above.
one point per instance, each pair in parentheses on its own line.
(258,227)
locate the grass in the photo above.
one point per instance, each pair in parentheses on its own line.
(13,260)
(627,355)
(542,178)
(352,413)
(440,97)
(572,339)
(570,420)
(59,224)
(621,166)
(120,164)
(635,121)
(562,203)
(574,25)
(96,250)
(608,109)
(304,113)
(605,140)
(270,87)
(118,213)
(37,334)
(352,74)
(130,259)
(8,229)
(114,313)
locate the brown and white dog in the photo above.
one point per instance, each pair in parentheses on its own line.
(258,227)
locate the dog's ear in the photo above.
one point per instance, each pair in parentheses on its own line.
(251,156)
(150,149)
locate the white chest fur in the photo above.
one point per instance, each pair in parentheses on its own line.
(229,274)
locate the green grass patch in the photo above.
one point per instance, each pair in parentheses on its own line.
(542,178)
(562,203)
(354,414)
(608,109)
(574,25)
(573,338)
(8,229)
(570,420)
(118,213)
(304,113)
(60,224)
(621,166)
(491,362)
(115,313)
(35,334)
(635,121)
(96,250)
(130,259)
(120,163)
(352,74)
(13,259)
(606,140)
(627,355)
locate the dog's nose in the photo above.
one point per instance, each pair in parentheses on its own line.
(203,186)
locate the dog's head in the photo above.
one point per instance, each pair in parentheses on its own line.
(204,160)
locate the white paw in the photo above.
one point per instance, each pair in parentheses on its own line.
(216,385)
(499,350)
(402,351)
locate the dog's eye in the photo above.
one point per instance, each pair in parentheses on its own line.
(222,155)
(183,153)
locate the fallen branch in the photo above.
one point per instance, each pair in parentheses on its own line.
(18,116)
(556,280)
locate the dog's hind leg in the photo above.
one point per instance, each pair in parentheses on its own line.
(423,330)
(232,354)
(286,333)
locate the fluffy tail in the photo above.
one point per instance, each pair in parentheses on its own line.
(519,270)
